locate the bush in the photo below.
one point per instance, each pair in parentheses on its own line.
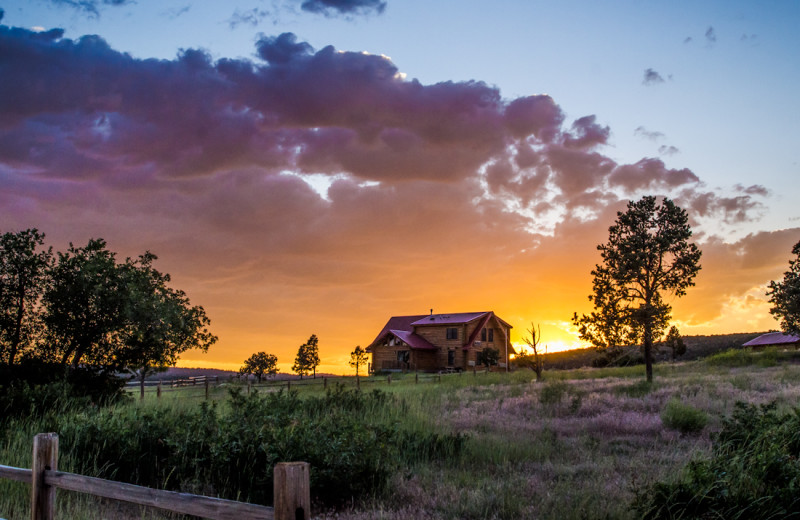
(753,472)
(36,389)
(553,392)
(683,417)
(232,454)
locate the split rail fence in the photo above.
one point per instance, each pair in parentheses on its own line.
(207,383)
(292,495)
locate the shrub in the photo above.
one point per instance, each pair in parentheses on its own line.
(231,454)
(753,472)
(553,392)
(683,417)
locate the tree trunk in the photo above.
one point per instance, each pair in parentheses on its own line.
(648,347)
(17,336)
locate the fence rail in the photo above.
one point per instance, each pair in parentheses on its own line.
(206,383)
(291,490)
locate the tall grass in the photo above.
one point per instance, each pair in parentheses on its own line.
(473,446)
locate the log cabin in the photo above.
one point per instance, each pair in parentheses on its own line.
(439,342)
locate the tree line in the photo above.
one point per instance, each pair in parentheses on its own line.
(306,361)
(84,308)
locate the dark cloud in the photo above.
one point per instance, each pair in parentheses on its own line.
(668,150)
(346,7)
(651,77)
(688,39)
(647,134)
(2,13)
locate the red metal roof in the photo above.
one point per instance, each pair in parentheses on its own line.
(414,341)
(396,323)
(449,319)
(772,338)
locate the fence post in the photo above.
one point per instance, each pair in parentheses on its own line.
(288,384)
(389,380)
(292,494)
(325,382)
(416,377)
(45,456)
(248,385)
(158,389)
(358,382)
(206,388)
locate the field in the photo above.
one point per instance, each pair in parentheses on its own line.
(576,445)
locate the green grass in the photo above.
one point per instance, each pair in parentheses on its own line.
(572,446)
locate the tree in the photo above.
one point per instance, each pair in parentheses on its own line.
(118,316)
(785,296)
(488,357)
(159,322)
(23,274)
(674,342)
(647,254)
(307,359)
(259,364)
(358,358)
(534,358)
(83,304)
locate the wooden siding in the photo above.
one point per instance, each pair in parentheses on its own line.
(429,360)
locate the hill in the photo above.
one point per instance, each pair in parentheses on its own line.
(696,347)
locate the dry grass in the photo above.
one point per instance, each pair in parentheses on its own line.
(579,452)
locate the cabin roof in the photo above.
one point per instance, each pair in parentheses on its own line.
(772,338)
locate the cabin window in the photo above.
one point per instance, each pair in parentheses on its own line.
(451,358)
(403,356)
(491,335)
(483,334)
(452,333)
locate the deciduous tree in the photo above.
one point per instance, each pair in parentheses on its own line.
(785,296)
(648,254)
(260,364)
(23,274)
(533,358)
(83,304)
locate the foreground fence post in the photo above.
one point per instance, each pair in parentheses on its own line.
(206,388)
(158,389)
(291,491)
(45,456)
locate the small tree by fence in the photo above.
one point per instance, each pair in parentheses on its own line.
(291,490)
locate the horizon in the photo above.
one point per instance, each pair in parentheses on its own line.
(317,168)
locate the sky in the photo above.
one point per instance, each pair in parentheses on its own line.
(316,166)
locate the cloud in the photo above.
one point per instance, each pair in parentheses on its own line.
(251,17)
(317,185)
(668,150)
(711,36)
(344,7)
(651,77)
(647,134)
(91,7)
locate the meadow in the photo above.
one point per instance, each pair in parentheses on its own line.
(580,444)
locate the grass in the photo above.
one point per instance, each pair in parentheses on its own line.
(572,446)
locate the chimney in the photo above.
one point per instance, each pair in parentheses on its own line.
(431,312)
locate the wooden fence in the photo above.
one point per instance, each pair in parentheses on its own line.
(292,495)
(206,383)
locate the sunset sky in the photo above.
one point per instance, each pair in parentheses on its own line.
(315,166)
